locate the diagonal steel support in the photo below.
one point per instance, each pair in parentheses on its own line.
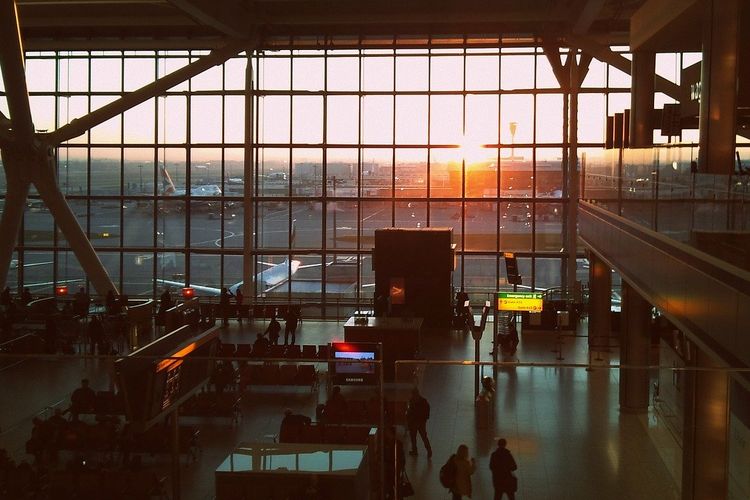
(605,54)
(14,75)
(128,101)
(46,184)
(10,222)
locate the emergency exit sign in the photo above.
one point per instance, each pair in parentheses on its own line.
(520,301)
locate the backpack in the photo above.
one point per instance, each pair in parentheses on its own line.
(448,473)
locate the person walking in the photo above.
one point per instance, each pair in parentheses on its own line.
(417,414)
(291,321)
(502,466)
(465,467)
(273,331)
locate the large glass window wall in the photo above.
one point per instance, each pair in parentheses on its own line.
(347,141)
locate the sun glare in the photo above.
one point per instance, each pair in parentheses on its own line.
(472,151)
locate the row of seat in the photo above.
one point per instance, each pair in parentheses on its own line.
(317,432)
(274,374)
(275,351)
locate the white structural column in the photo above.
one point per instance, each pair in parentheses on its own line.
(249,182)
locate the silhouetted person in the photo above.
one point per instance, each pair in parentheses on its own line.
(83,399)
(273,331)
(465,467)
(239,298)
(292,321)
(224,303)
(26,296)
(96,334)
(5,297)
(110,303)
(335,406)
(165,300)
(292,426)
(260,346)
(417,414)
(81,302)
(502,466)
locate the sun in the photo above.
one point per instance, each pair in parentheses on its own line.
(472,151)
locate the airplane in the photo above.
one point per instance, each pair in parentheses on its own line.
(271,278)
(169,188)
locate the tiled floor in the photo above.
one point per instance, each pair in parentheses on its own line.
(562,423)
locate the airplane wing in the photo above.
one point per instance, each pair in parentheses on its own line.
(269,264)
(207,290)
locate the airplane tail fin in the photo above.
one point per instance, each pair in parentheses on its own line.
(167,186)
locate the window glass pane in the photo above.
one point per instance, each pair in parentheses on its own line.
(516,173)
(74,75)
(377,73)
(482,72)
(210,79)
(170,64)
(515,226)
(43,112)
(109,131)
(479,273)
(447,215)
(273,172)
(138,72)
(343,73)
(547,273)
(341,171)
(549,237)
(596,76)
(308,224)
(377,172)
(275,73)
(72,171)
(516,108)
(69,272)
(481,226)
(517,72)
(549,178)
(343,119)
(618,78)
(70,108)
(234,73)
(37,224)
(234,236)
(374,215)
(412,73)
(106,75)
(447,73)
(307,120)
(274,119)
(307,282)
(411,119)
(341,223)
(377,119)
(170,219)
(446,119)
(411,214)
(40,75)
(481,124)
(139,123)
(273,224)
(307,73)
(549,118)
(172,119)
(104,223)
(618,103)
(234,119)
(205,119)
(545,77)
(307,177)
(105,171)
(445,173)
(411,173)
(591,118)
(138,230)
(205,270)
(174,162)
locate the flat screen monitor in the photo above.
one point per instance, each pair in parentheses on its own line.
(352,363)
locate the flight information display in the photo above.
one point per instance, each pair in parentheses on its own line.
(520,301)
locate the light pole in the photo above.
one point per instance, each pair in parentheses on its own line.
(513,128)
(140,168)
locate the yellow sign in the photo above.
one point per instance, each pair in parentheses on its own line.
(520,301)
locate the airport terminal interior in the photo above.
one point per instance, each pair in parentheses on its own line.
(293,249)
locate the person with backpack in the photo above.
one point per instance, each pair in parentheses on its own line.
(456,473)
(502,466)
(417,414)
